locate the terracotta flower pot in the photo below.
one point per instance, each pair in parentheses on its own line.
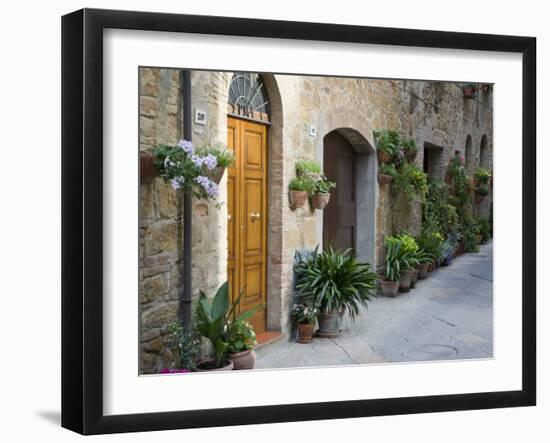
(147,169)
(383,157)
(405,281)
(297,199)
(216,174)
(243,360)
(384,179)
(319,201)
(305,332)
(431,266)
(389,288)
(410,155)
(208,365)
(329,324)
(423,270)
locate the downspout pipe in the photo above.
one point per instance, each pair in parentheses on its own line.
(187,286)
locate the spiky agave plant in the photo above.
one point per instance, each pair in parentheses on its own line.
(335,280)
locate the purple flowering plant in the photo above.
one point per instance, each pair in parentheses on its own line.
(189,169)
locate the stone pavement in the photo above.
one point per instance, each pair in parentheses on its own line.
(449,315)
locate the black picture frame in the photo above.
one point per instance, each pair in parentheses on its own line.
(82,215)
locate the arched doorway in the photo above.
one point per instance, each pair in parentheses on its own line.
(340,215)
(484,153)
(247,201)
(469,155)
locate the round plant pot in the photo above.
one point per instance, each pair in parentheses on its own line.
(329,324)
(383,157)
(405,281)
(305,332)
(414,278)
(431,266)
(216,174)
(389,288)
(243,360)
(423,270)
(208,365)
(297,199)
(410,156)
(319,201)
(384,179)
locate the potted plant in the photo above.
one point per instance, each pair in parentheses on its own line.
(387,145)
(299,188)
(448,251)
(409,148)
(185,347)
(469,90)
(424,260)
(407,260)
(481,176)
(335,282)
(389,282)
(481,192)
(305,314)
(241,339)
(191,170)
(321,192)
(386,173)
(213,322)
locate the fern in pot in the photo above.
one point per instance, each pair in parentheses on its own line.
(336,282)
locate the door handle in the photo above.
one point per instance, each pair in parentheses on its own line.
(254,216)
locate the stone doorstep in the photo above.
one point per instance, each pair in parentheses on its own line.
(266,338)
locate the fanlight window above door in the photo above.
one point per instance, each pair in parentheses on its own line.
(248,97)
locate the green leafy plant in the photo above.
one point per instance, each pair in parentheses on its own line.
(388,169)
(470,231)
(392,269)
(430,241)
(412,181)
(305,312)
(185,345)
(240,336)
(388,141)
(301,184)
(213,321)
(335,280)
(482,191)
(323,186)
(408,145)
(482,175)
(484,228)
(307,166)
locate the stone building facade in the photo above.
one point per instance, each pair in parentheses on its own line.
(302,111)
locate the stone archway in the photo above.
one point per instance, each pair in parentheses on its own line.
(484,159)
(365,192)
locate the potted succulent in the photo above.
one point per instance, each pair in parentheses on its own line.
(335,282)
(387,145)
(241,339)
(389,281)
(409,148)
(305,314)
(386,173)
(321,192)
(213,322)
(299,189)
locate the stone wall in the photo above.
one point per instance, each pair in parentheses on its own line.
(435,113)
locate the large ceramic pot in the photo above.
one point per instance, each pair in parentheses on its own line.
(329,324)
(208,365)
(297,199)
(405,280)
(243,360)
(319,201)
(423,270)
(384,179)
(389,288)
(383,157)
(305,332)
(216,174)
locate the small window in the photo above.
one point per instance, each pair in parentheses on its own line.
(484,153)
(469,155)
(248,97)
(432,161)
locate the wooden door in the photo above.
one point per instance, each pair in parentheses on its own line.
(247,217)
(339,217)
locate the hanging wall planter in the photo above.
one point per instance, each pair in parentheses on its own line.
(384,179)
(469,91)
(216,174)
(297,198)
(147,170)
(383,157)
(319,201)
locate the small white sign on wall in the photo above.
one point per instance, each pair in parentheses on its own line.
(312,131)
(200,117)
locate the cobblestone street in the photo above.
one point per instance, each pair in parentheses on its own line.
(449,315)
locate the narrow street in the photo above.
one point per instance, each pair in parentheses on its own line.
(449,315)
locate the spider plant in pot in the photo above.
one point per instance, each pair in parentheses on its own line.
(321,192)
(389,281)
(305,314)
(335,282)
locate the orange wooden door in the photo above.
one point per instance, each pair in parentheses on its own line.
(247,217)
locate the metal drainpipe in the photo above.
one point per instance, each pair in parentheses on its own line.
(187,286)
